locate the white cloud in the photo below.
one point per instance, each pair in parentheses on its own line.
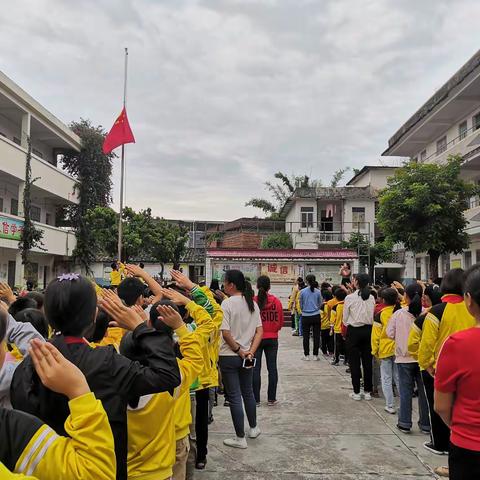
(223,93)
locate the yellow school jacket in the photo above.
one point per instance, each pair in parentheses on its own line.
(6,474)
(415,336)
(294,302)
(441,321)
(113,337)
(336,317)
(382,345)
(326,313)
(88,454)
(152,423)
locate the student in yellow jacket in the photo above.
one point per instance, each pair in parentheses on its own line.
(152,440)
(31,448)
(325,322)
(441,321)
(383,347)
(336,318)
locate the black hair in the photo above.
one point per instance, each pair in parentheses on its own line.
(263,285)
(326,295)
(325,286)
(390,296)
(38,297)
(452,282)
(401,291)
(3,325)
(214,285)
(374,294)
(300,280)
(414,292)
(158,324)
(130,290)
(311,280)
(21,303)
(36,318)
(472,283)
(99,329)
(238,279)
(114,266)
(340,294)
(141,265)
(433,294)
(363,281)
(70,305)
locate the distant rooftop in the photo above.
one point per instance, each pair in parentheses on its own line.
(367,168)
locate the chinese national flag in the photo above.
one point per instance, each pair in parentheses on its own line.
(120,133)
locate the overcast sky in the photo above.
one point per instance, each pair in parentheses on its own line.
(223,93)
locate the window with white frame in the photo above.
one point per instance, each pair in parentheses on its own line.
(307,217)
(467,259)
(441,145)
(14,206)
(462,130)
(423,155)
(476,121)
(35,213)
(358,217)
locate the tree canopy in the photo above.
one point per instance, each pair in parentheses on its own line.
(280,240)
(422,208)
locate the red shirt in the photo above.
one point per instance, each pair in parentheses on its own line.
(272,316)
(378,308)
(458,371)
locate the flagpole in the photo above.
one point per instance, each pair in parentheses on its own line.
(122,179)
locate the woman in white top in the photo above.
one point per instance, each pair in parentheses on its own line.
(241,335)
(358,317)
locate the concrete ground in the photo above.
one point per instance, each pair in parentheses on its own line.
(317,432)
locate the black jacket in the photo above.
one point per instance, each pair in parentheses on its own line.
(112,377)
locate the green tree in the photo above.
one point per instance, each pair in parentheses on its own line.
(31,236)
(369,254)
(93,171)
(277,241)
(423,207)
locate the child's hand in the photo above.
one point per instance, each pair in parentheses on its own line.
(123,316)
(56,372)
(135,270)
(182,280)
(7,293)
(175,296)
(170,316)
(140,312)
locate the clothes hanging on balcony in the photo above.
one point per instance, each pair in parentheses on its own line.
(331,209)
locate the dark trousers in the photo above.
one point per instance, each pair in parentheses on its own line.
(270,347)
(238,383)
(359,349)
(327,341)
(463,464)
(439,432)
(339,346)
(311,323)
(202,398)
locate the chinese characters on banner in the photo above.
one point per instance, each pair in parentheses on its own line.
(281,272)
(250,270)
(10,228)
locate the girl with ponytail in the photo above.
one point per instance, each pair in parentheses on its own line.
(310,304)
(271,311)
(241,336)
(398,329)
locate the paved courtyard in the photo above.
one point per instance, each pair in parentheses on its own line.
(317,432)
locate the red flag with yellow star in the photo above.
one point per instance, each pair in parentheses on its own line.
(120,134)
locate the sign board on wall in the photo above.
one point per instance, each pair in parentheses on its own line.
(250,270)
(456,263)
(327,273)
(281,272)
(10,228)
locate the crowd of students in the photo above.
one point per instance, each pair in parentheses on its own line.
(420,341)
(119,383)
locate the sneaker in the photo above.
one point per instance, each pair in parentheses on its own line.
(294,333)
(226,403)
(306,358)
(425,432)
(390,410)
(316,358)
(272,403)
(254,432)
(442,472)
(335,363)
(259,404)
(403,429)
(236,442)
(355,396)
(430,447)
(201,464)
(367,396)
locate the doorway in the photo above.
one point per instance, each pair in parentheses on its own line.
(12,268)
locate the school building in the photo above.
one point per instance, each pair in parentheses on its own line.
(21,117)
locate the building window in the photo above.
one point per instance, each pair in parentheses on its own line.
(441,145)
(467,259)
(358,217)
(35,213)
(48,218)
(307,217)
(418,268)
(14,206)
(462,130)
(377,208)
(1,204)
(423,156)
(476,121)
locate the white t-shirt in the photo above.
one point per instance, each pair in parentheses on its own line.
(358,312)
(240,321)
